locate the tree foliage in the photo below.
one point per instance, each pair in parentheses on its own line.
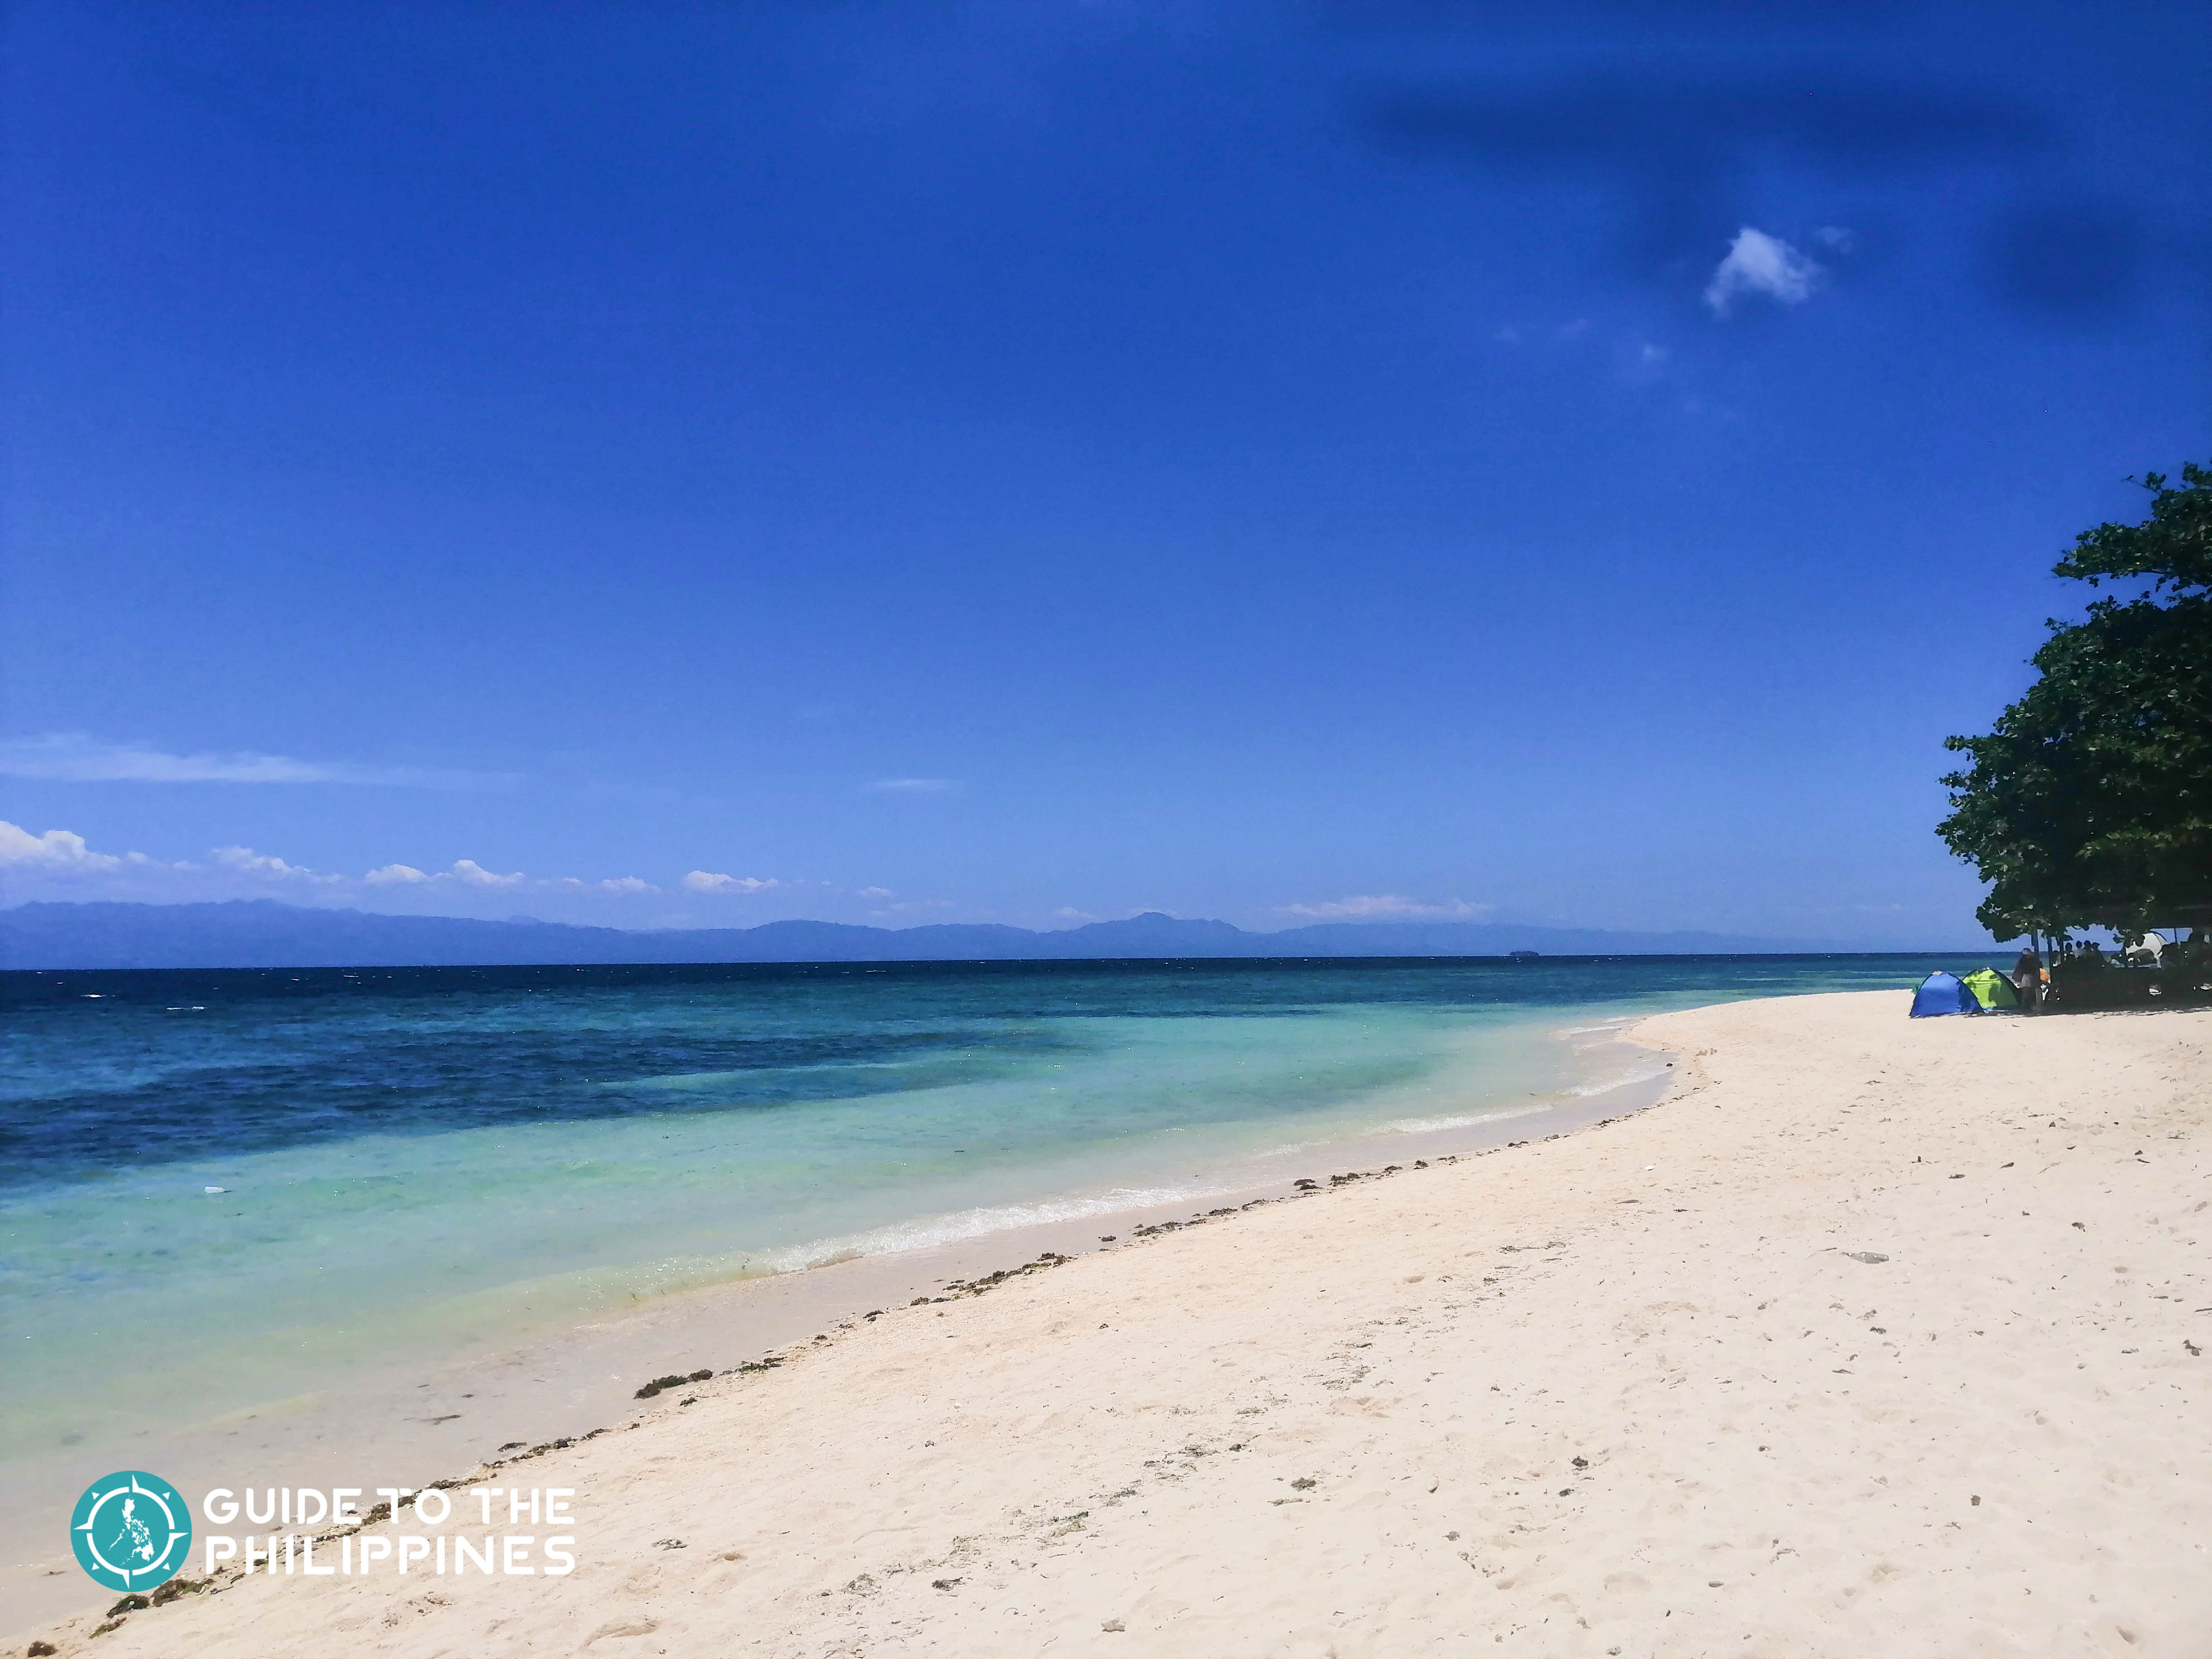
(2093,796)
(2172,547)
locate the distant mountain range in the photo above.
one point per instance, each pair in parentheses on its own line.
(264,933)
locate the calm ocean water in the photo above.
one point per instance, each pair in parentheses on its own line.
(225,1187)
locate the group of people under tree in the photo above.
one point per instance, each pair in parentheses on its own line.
(2082,975)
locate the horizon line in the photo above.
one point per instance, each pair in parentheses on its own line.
(1782,945)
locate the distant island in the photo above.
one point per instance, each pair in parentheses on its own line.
(264,933)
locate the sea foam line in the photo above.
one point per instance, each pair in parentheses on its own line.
(1421,1126)
(927,1231)
(1607,1085)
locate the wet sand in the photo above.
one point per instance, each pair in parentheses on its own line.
(1876,1335)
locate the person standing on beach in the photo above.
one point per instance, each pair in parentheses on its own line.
(2027,979)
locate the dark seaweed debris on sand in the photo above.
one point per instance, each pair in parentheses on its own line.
(956,1288)
(672,1381)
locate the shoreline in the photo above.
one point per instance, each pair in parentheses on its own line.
(1727,1374)
(576,1377)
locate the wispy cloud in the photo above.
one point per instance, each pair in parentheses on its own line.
(80,757)
(1641,363)
(710,881)
(915,786)
(876,893)
(911,907)
(1389,906)
(1759,264)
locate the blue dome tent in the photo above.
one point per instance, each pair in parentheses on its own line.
(1943,993)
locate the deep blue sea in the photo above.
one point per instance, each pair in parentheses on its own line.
(226,1187)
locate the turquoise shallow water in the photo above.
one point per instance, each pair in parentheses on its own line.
(408,1159)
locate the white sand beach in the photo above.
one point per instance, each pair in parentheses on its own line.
(1877,1336)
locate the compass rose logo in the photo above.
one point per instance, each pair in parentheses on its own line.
(131,1530)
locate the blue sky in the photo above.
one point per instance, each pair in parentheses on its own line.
(1028,462)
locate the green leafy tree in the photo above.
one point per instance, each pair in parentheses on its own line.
(2093,798)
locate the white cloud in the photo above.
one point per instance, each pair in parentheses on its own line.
(61,856)
(1759,264)
(1069,913)
(876,893)
(1389,907)
(711,881)
(915,786)
(1837,237)
(470,873)
(247,862)
(475,875)
(80,757)
(56,850)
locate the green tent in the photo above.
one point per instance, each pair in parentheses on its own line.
(1991,988)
